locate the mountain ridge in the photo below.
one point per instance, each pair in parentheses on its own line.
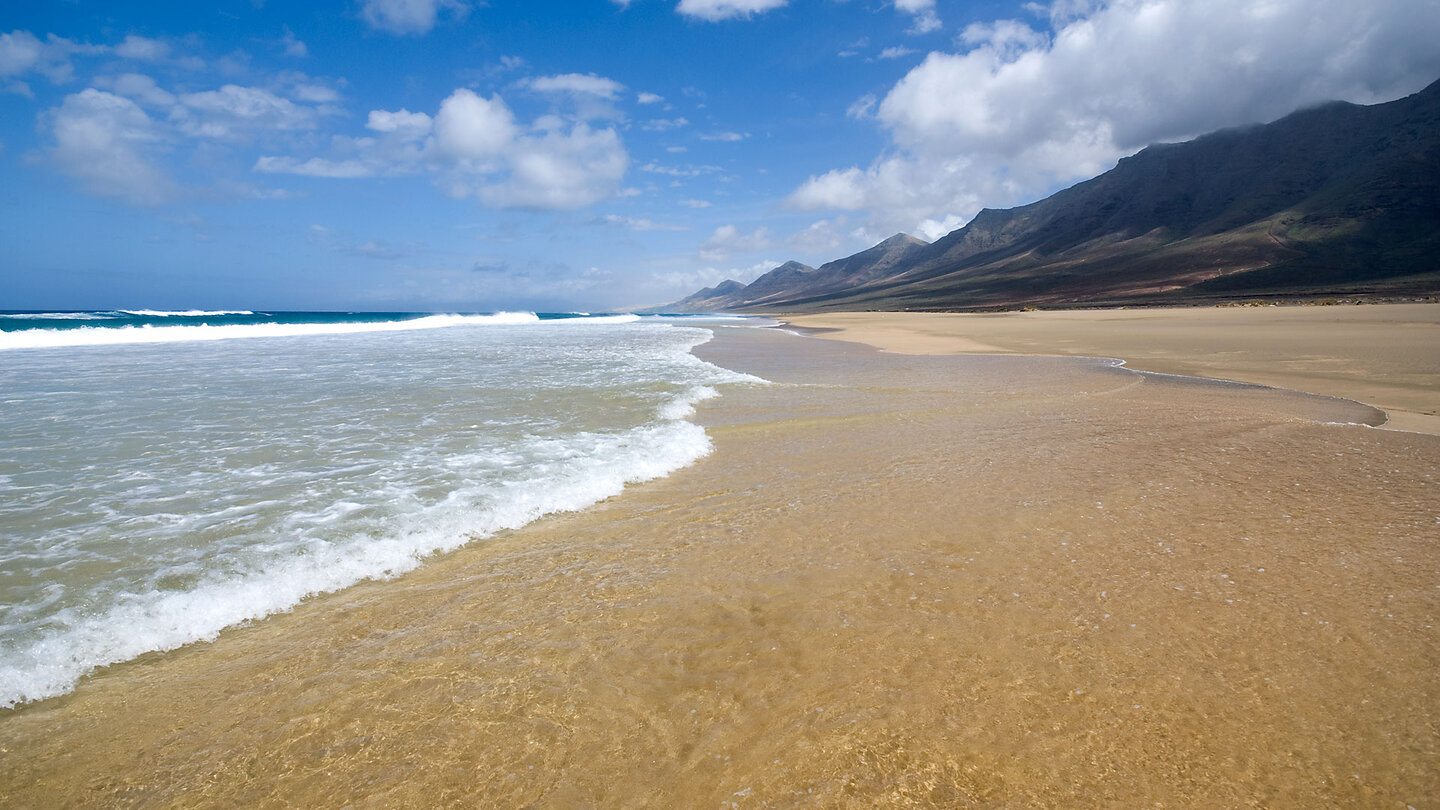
(1335,199)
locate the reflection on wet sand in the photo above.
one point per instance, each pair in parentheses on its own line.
(898,581)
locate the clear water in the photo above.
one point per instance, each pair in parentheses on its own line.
(161,482)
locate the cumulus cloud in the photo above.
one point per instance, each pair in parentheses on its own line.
(472,130)
(474,146)
(716,10)
(649,98)
(1019,111)
(408,16)
(107,142)
(403,122)
(560,170)
(115,137)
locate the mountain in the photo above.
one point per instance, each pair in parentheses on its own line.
(1336,200)
(794,279)
(711,299)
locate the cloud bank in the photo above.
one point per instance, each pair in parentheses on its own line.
(1024,108)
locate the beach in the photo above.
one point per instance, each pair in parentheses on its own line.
(903,578)
(1384,355)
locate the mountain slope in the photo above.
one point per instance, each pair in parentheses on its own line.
(1336,199)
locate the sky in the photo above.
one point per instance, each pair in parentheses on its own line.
(598,155)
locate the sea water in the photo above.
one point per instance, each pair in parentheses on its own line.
(166,475)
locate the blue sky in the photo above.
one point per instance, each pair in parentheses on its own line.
(452,155)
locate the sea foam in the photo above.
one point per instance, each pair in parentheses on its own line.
(221,483)
(147,333)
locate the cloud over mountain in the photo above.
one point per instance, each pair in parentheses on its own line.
(1020,110)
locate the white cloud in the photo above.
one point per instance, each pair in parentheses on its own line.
(315,94)
(578,83)
(293,46)
(142,49)
(405,124)
(923,12)
(728,239)
(684,282)
(473,146)
(728,137)
(106,142)
(715,10)
(1021,112)
(316,167)
(695,203)
(470,128)
(115,137)
(139,87)
(408,16)
(648,98)
(664,124)
(676,171)
(21,52)
(862,107)
(240,113)
(560,170)
(824,238)
(896,52)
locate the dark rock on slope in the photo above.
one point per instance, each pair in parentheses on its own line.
(1338,199)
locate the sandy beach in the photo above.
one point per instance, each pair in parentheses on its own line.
(1385,355)
(900,580)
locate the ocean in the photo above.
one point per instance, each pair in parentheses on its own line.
(165,475)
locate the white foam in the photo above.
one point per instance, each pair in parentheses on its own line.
(101,336)
(588,468)
(184,313)
(592,319)
(333,544)
(58,316)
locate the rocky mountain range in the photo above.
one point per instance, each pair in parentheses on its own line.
(1337,200)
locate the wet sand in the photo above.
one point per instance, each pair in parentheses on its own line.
(1387,355)
(899,581)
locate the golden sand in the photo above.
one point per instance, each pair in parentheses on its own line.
(899,581)
(1386,355)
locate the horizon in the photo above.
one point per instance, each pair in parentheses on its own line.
(612,155)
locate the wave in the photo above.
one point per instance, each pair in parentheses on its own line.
(566,474)
(184,313)
(147,333)
(58,316)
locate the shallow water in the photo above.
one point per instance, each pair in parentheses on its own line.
(151,495)
(897,582)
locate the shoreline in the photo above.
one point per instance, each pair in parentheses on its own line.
(1381,355)
(898,581)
